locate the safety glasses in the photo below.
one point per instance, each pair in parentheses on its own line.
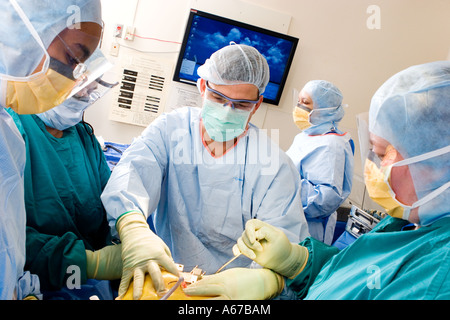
(303,107)
(243,105)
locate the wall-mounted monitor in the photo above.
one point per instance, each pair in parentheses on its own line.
(206,33)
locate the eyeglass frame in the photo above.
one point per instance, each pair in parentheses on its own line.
(303,107)
(233,101)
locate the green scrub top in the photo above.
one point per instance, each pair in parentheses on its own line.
(64,178)
(386,263)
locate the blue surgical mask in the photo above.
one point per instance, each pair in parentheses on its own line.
(66,115)
(223,123)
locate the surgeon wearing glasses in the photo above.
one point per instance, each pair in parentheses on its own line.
(407,172)
(44,50)
(66,218)
(200,174)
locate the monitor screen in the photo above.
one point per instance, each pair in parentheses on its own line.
(206,33)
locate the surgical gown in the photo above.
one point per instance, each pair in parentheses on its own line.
(386,263)
(201,203)
(14,282)
(64,178)
(325,163)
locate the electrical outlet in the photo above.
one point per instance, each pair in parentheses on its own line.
(114,51)
(118,30)
(129,33)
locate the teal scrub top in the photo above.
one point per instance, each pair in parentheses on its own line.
(64,178)
(386,263)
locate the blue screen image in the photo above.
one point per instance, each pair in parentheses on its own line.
(207,36)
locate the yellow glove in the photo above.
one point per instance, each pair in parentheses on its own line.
(269,247)
(238,284)
(142,252)
(104,264)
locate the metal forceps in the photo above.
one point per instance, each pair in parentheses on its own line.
(228,262)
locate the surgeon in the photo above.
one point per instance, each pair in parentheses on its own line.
(44,45)
(406,256)
(200,174)
(66,220)
(323,155)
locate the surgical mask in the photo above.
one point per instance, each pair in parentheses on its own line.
(301,117)
(44,90)
(377,180)
(66,115)
(38,93)
(223,123)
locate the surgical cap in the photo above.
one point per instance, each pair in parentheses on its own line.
(236,64)
(411,110)
(20,54)
(324,95)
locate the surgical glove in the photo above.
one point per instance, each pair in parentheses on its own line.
(238,284)
(142,252)
(104,264)
(269,247)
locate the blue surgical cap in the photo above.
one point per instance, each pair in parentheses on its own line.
(236,64)
(411,110)
(20,54)
(324,95)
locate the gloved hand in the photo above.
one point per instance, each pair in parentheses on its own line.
(269,247)
(142,252)
(238,284)
(104,264)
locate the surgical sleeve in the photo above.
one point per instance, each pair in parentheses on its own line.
(135,183)
(319,255)
(53,258)
(322,178)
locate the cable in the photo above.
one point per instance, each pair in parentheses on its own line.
(147,51)
(155,39)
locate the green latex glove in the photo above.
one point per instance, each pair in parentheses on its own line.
(238,284)
(269,247)
(104,264)
(142,252)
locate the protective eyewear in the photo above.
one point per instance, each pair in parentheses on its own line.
(243,105)
(94,91)
(303,107)
(94,86)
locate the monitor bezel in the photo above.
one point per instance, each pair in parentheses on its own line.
(239,24)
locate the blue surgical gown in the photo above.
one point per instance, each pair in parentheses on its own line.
(325,162)
(64,178)
(14,282)
(387,263)
(201,203)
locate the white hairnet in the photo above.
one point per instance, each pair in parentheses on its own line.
(236,64)
(411,110)
(20,54)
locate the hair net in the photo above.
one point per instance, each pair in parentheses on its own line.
(411,110)
(236,64)
(324,95)
(20,54)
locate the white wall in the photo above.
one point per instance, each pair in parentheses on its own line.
(335,44)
